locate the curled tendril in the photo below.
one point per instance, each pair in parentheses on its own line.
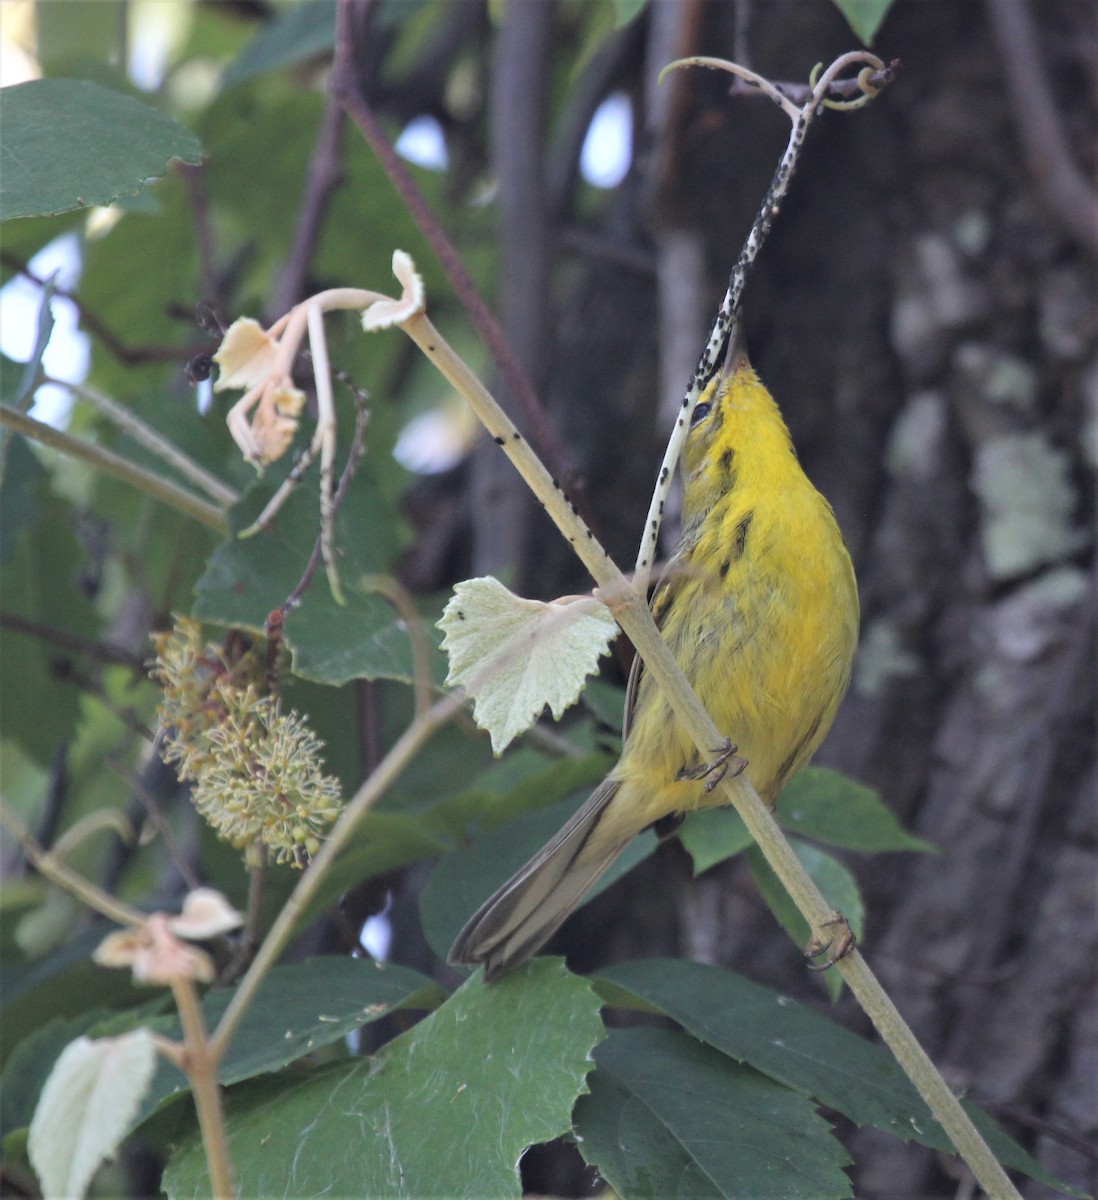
(820,83)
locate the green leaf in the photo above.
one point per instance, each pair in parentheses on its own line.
(626,10)
(711,835)
(831,807)
(30,1063)
(667,1116)
(838,885)
(385,841)
(40,583)
(516,657)
(463,880)
(444,1110)
(864,16)
(69,144)
(246,578)
(307,30)
(299,1009)
(801,1049)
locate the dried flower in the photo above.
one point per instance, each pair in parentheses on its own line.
(155,951)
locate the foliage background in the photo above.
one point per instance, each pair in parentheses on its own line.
(927,322)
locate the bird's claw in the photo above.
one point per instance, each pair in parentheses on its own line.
(836,947)
(724,759)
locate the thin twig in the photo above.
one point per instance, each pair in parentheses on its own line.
(398,596)
(131,424)
(64,877)
(801,118)
(324,176)
(358,446)
(1066,191)
(194,177)
(200,1059)
(100,652)
(115,465)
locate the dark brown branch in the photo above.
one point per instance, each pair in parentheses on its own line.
(100,652)
(345,88)
(325,174)
(1065,190)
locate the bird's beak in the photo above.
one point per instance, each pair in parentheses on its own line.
(735,355)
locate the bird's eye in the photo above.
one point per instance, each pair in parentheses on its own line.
(701,411)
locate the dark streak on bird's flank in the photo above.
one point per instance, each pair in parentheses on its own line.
(741,533)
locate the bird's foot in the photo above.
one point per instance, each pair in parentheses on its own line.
(839,945)
(725,759)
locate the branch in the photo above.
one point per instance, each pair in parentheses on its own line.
(64,877)
(324,176)
(1066,192)
(115,465)
(130,423)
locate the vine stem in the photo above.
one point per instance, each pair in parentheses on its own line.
(200,1060)
(630,608)
(63,876)
(113,464)
(404,750)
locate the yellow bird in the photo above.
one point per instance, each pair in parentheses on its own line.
(760,608)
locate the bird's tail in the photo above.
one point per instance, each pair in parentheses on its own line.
(514,923)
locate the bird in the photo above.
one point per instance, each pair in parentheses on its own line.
(759,605)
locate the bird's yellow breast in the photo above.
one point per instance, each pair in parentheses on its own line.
(759,605)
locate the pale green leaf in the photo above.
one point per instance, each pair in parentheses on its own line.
(515,656)
(445,1109)
(70,144)
(86,1106)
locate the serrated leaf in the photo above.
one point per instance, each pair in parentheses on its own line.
(833,808)
(668,1116)
(802,1049)
(864,16)
(86,1106)
(516,656)
(70,144)
(444,1110)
